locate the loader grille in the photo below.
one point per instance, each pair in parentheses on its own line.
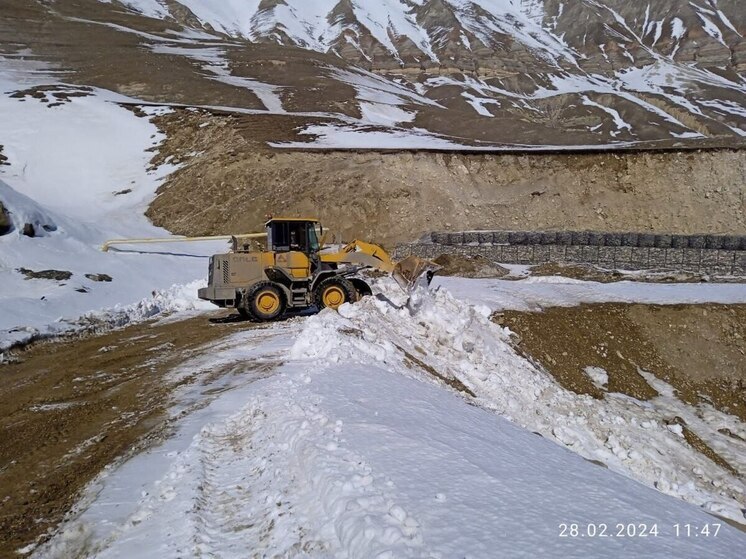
(226,272)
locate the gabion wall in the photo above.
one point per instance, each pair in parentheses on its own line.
(706,254)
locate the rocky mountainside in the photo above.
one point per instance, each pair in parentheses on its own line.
(437,74)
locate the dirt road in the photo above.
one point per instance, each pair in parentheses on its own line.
(70,408)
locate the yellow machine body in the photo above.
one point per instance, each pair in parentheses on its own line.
(294,272)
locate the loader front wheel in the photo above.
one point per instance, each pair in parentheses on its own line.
(333,293)
(264,302)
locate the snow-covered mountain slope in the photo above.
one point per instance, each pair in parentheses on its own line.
(439,31)
(538,72)
(332,437)
(78,174)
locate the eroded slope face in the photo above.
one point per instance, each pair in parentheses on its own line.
(420,73)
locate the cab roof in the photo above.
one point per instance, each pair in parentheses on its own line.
(273,219)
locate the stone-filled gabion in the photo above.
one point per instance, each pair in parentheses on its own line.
(646,240)
(534,238)
(595,239)
(629,239)
(500,237)
(662,241)
(549,238)
(713,241)
(731,242)
(613,239)
(471,238)
(485,238)
(518,238)
(455,238)
(440,238)
(580,238)
(679,241)
(697,241)
(564,238)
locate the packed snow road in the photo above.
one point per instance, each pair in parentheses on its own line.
(335,436)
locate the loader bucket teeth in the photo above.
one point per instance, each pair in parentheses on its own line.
(413,272)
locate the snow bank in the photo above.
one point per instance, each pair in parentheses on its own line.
(176,299)
(461,343)
(537,292)
(22,210)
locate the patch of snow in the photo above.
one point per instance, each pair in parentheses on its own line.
(618,120)
(598,376)
(214,61)
(478,103)
(385,115)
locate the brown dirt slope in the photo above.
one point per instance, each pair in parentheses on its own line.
(699,349)
(390,197)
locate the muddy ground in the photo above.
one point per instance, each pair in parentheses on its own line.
(235,180)
(69,408)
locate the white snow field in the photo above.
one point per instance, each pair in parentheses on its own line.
(67,159)
(536,292)
(330,439)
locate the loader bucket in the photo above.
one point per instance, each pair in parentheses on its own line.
(413,272)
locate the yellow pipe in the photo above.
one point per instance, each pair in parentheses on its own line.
(107,244)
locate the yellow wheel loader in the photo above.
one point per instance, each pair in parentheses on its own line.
(296,272)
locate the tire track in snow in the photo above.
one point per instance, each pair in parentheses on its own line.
(277,478)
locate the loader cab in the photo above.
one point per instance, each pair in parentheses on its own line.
(293,234)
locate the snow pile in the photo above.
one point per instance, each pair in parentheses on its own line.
(23,211)
(460,343)
(180,298)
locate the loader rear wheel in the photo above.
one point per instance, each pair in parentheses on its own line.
(264,302)
(333,293)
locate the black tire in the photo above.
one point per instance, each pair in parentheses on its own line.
(343,287)
(361,287)
(264,301)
